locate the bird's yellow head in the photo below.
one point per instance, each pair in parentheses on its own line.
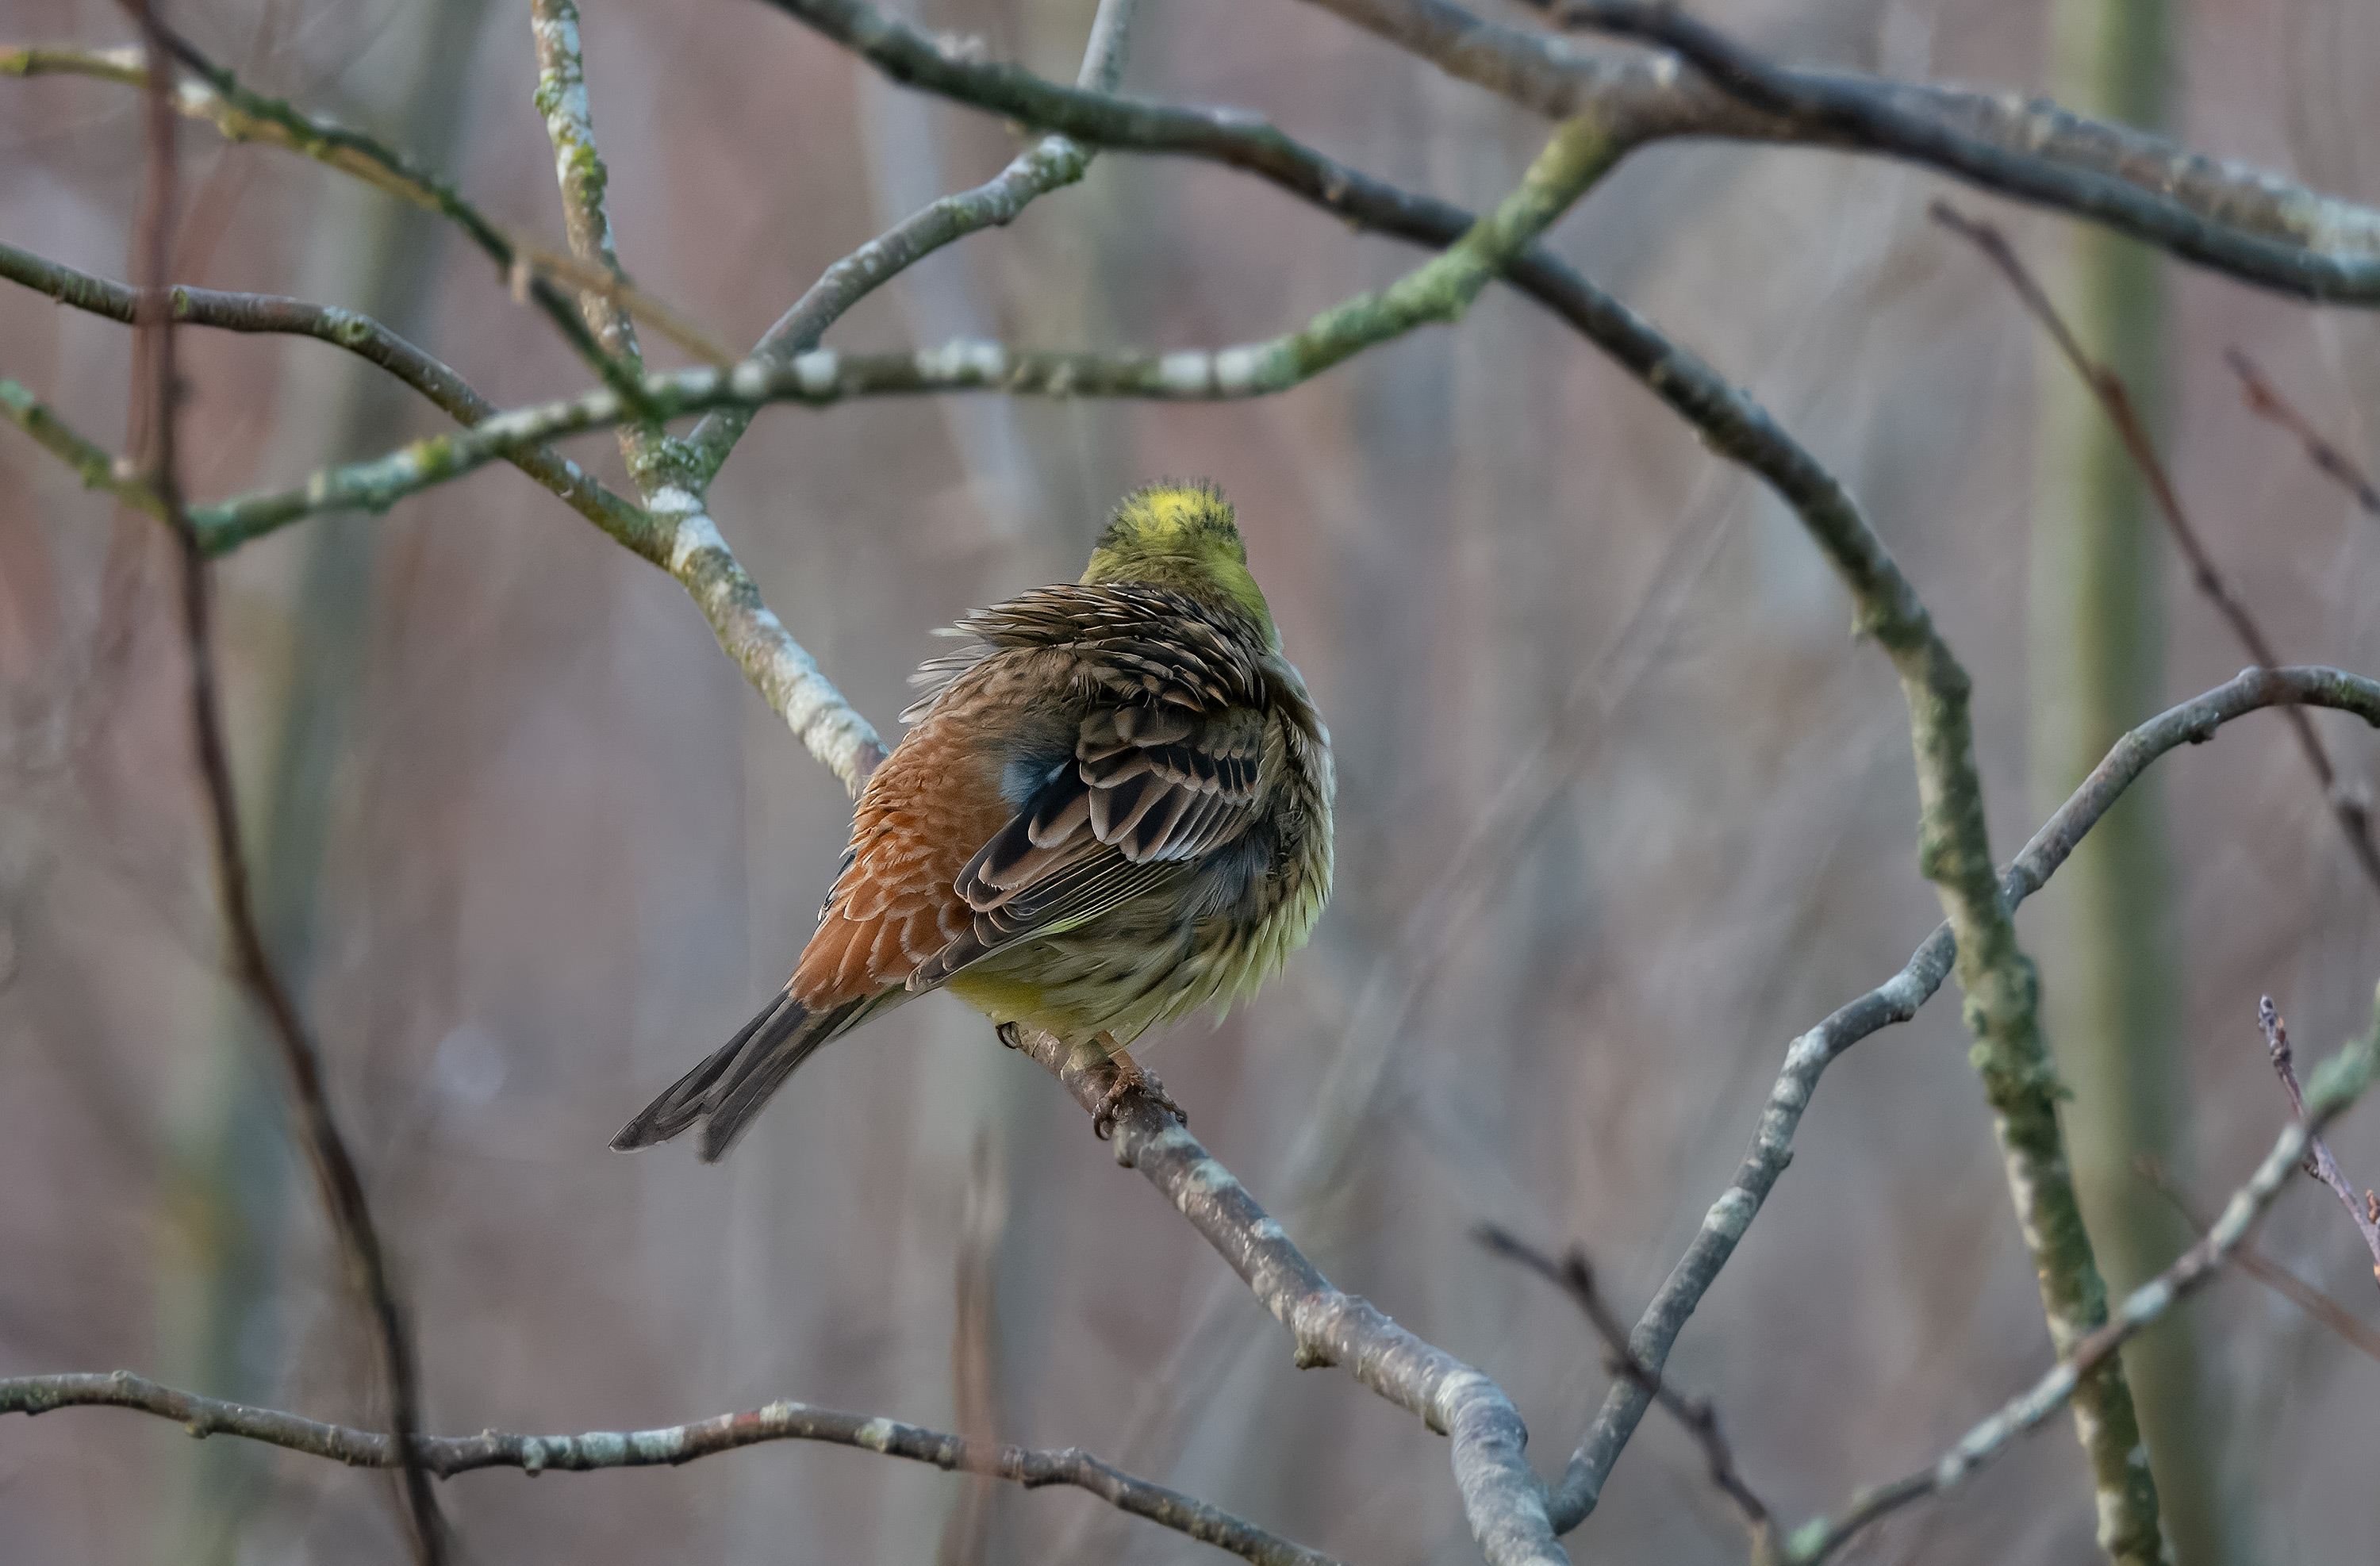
(1183,537)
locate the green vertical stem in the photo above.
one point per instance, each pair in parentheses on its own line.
(2097,669)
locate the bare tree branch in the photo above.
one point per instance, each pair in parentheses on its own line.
(2259,229)
(1896,1000)
(1574,1276)
(335,1169)
(449,1455)
(1954,847)
(2264,400)
(358,334)
(116,476)
(240,114)
(1051,164)
(666,478)
(2265,1270)
(2364,1210)
(2338,1084)
(1996,976)
(1502,1496)
(2115,399)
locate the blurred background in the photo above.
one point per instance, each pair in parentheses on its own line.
(1623,810)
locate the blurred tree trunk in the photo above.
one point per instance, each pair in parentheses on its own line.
(232,1160)
(2111,973)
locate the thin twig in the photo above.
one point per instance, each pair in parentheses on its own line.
(241,115)
(1052,163)
(2342,1079)
(1502,1497)
(2115,400)
(2316,1303)
(1574,1275)
(2364,1210)
(1874,115)
(2264,400)
(601,1450)
(342,1191)
(357,333)
(1896,1000)
(688,544)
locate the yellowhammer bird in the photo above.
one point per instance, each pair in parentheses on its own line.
(1112,808)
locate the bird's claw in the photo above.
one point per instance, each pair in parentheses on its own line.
(1130,1079)
(1006,1033)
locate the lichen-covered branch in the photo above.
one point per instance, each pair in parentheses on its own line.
(2115,399)
(214,95)
(1896,1000)
(358,334)
(1439,290)
(1051,164)
(2253,225)
(1232,138)
(449,1455)
(1868,117)
(1502,1496)
(2001,992)
(686,541)
(2342,1079)
(97,468)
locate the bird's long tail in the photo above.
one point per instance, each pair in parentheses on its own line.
(727,1090)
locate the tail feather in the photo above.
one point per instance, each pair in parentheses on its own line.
(681,1104)
(729,1087)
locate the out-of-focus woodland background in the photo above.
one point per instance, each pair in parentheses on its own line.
(1622,808)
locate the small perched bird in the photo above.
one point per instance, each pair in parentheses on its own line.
(1113,807)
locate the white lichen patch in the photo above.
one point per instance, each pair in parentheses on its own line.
(749,380)
(817,372)
(659,1446)
(1732,1213)
(1186,371)
(1236,369)
(965,360)
(1207,1177)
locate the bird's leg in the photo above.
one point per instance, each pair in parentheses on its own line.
(1131,1079)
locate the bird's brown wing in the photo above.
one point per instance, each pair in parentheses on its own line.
(1149,789)
(1166,767)
(895,903)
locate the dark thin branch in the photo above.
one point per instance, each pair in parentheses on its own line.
(1574,1276)
(1896,1000)
(2314,1301)
(343,1191)
(448,1455)
(2364,1210)
(1502,1496)
(2264,400)
(358,334)
(2115,400)
(1868,114)
(2341,1081)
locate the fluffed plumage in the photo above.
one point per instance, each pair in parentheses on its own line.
(1112,808)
